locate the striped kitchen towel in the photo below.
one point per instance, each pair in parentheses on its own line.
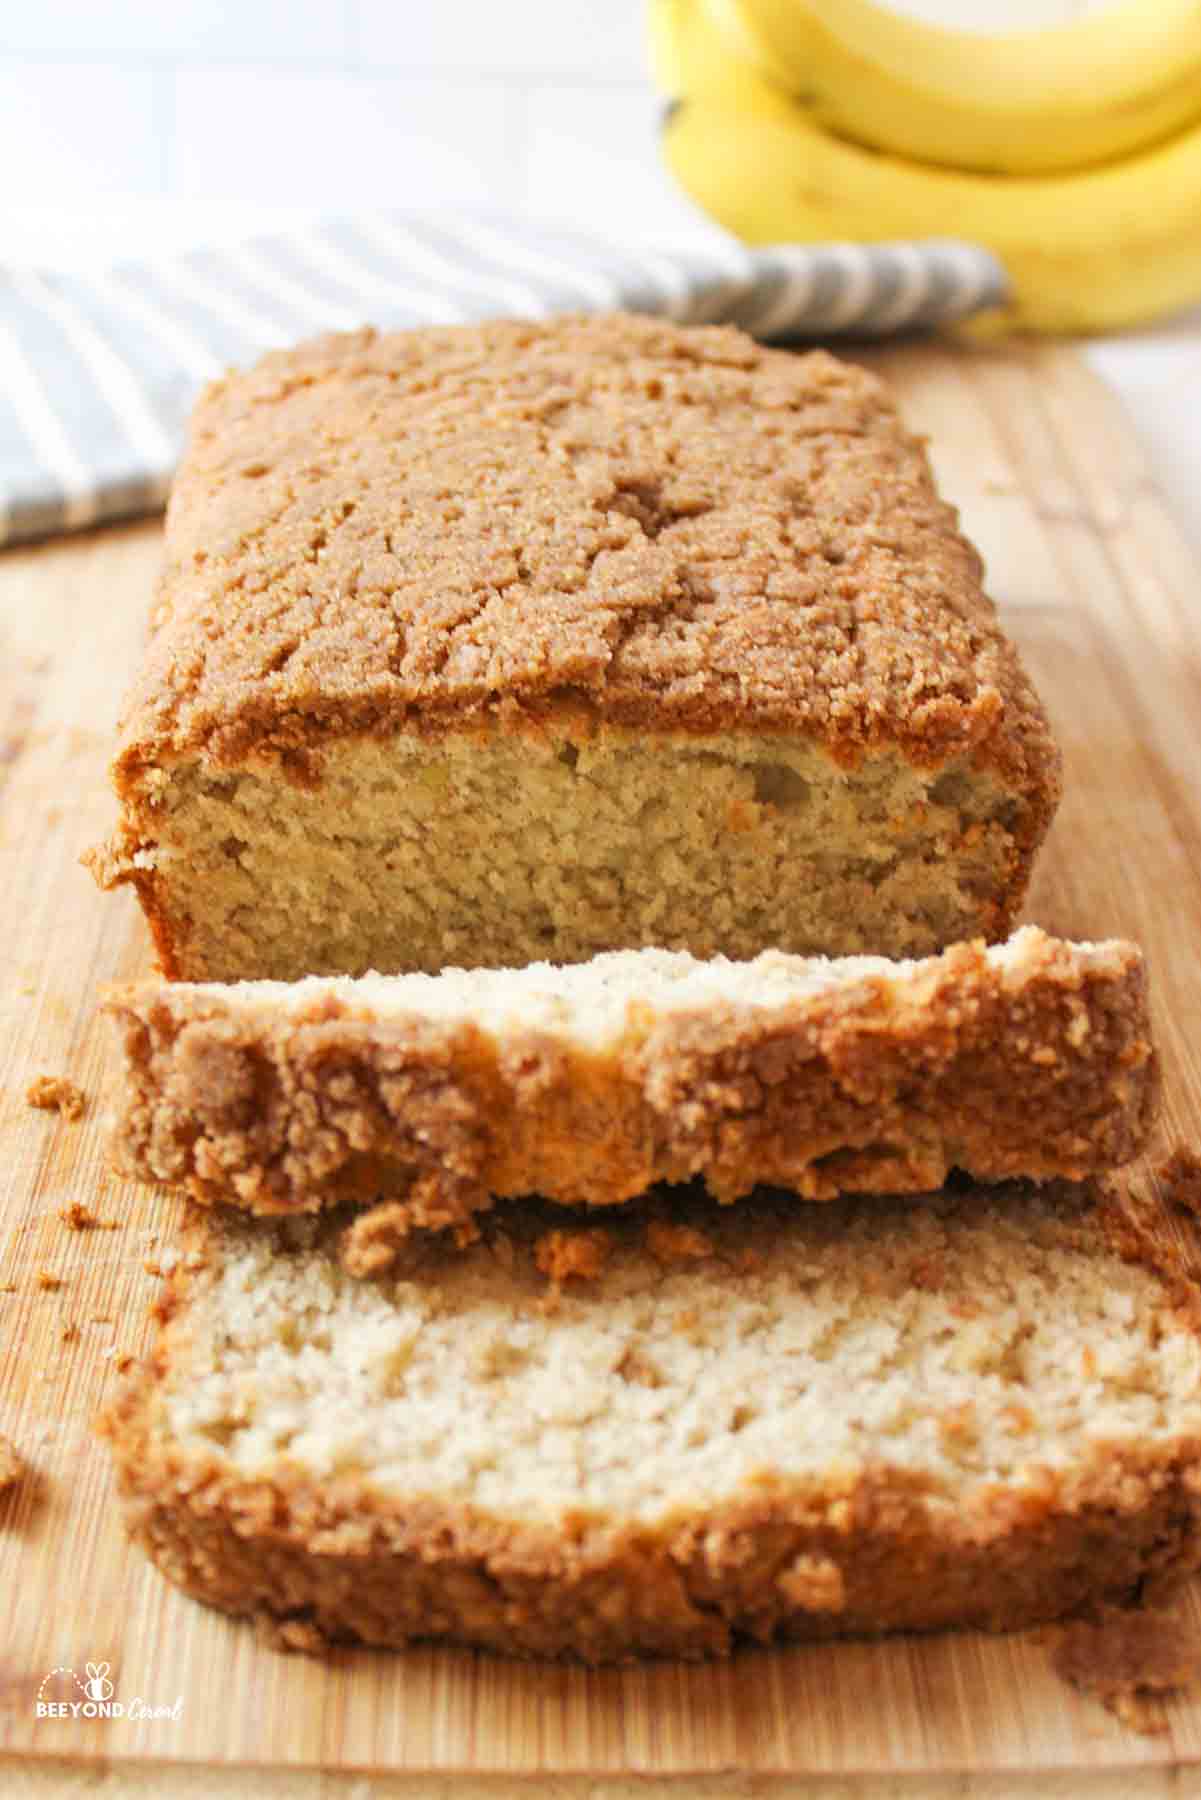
(98,372)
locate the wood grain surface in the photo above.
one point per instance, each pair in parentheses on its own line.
(1095,583)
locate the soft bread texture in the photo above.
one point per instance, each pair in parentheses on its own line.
(694,1425)
(517,641)
(586,1084)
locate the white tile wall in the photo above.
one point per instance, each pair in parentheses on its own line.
(333,140)
(538,39)
(592,156)
(51,115)
(131,122)
(182,30)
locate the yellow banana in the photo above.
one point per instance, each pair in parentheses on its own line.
(734,24)
(1092,251)
(689,56)
(1064,97)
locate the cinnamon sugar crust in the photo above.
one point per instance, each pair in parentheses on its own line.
(664,524)
(578,533)
(971,1474)
(429,1098)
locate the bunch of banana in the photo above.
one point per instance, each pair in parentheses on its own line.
(1073,152)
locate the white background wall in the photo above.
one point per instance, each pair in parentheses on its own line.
(197,118)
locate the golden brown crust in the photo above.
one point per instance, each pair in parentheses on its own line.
(802,1565)
(571,1255)
(863,1552)
(656,524)
(1043,1069)
(599,522)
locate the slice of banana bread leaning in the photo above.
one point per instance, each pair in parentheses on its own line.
(484,645)
(588,1083)
(694,1424)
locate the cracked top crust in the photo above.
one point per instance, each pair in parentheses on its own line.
(615,517)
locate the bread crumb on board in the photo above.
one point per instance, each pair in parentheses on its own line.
(161,1266)
(48,1281)
(54,1093)
(295,1637)
(10,1465)
(1123,1658)
(78,1217)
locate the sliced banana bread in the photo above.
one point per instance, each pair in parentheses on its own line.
(481,645)
(586,1084)
(695,1424)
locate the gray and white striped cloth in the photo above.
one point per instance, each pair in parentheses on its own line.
(98,372)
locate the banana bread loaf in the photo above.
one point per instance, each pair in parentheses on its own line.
(586,1084)
(696,1424)
(482,645)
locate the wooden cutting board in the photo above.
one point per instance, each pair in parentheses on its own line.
(1094,582)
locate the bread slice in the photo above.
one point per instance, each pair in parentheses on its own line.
(693,1425)
(482,645)
(586,1084)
